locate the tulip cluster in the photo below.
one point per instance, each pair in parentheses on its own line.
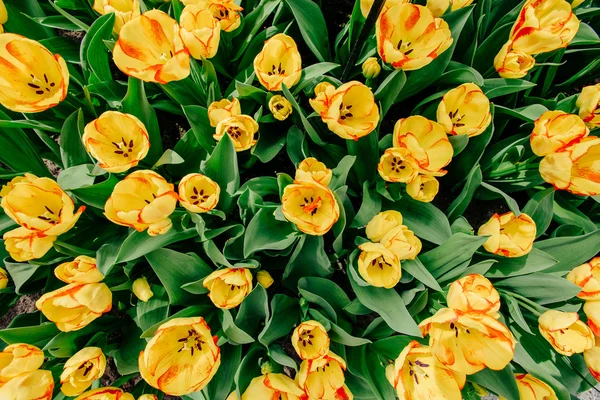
(509,235)
(227,118)
(20,373)
(542,26)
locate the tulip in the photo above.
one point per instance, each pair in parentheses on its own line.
(402,242)
(416,375)
(311,169)
(223,109)
(280,107)
(574,168)
(371,68)
(423,188)
(148,397)
(141,289)
(143,200)
(439,7)
(228,287)
(323,377)
(124,10)
(310,340)
(181,358)
(588,103)
(82,269)
(554,130)
(511,64)
(278,63)
(378,265)
(510,236)
(531,388)
(591,308)
(106,393)
(198,193)
(25,245)
(565,332)
(74,306)
(264,278)
(17,359)
(592,359)
(35,385)
(272,387)
(324,92)
(311,206)
(3,278)
(587,276)
(118,141)
(365,5)
(426,142)
(200,31)
(469,342)
(409,37)
(241,129)
(465,110)
(224,11)
(398,165)
(3,14)
(150,48)
(33,79)
(81,370)
(474,293)
(382,223)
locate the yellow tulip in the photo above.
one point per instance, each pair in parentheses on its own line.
(33,79)
(402,242)
(416,375)
(3,13)
(143,200)
(311,169)
(350,111)
(554,130)
(310,340)
(279,62)
(3,278)
(324,92)
(264,278)
(469,342)
(280,107)
(272,387)
(543,26)
(409,37)
(465,110)
(228,287)
(426,142)
(118,141)
(383,223)
(81,370)
(474,293)
(106,393)
(531,388)
(592,359)
(310,206)
(82,269)
(565,332)
(200,31)
(240,128)
(74,306)
(510,236)
(591,308)
(321,378)
(181,358)
(224,11)
(198,193)
(124,10)
(398,165)
(148,397)
(223,109)
(588,104)
(371,68)
(511,64)
(365,5)
(587,276)
(35,385)
(150,48)
(17,359)
(24,245)
(423,188)
(378,265)
(141,289)
(574,168)
(439,7)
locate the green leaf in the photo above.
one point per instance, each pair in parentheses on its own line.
(536,261)
(389,89)
(497,87)
(252,25)
(270,143)
(325,293)
(462,201)
(540,209)
(235,335)
(198,118)
(312,72)
(156,309)
(127,354)
(299,112)
(371,205)
(96,195)
(254,310)
(455,251)
(570,251)
(502,382)
(308,259)
(169,157)
(417,269)
(72,151)
(285,314)
(221,384)
(37,334)
(30,123)
(512,204)
(541,288)
(192,311)
(424,219)
(94,54)
(567,213)
(264,232)
(340,173)
(313,28)
(222,167)
(23,273)
(76,177)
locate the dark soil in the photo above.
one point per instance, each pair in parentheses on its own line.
(172,128)
(337,14)
(25,304)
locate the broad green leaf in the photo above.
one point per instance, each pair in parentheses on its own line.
(38,334)
(169,157)
(308,259)
(299,113)
(222,167)
(455,251)
(536,261)
(24,273)
(325,293)
(340,173)
(156,309)
(235,335)
(570,251)
(462,201)
(285,312)
(389,89)
(313,28)
(502,382)
(72,150)
(254,310)
(497,87)
(313,71)
(371,205)
(221,384)
(264,232)
(94,55)
(127,354)
(417,269)
(424,219)
(96,195)
(540,209)
(541,288)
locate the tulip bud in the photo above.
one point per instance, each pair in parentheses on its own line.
(382,223)
(424,188)
(223,109)
(228,287)
(148,397)
(264,278)
(554,130)
(310,340)
(3,13)
(270,386)
(3,278)
(378,265)
(81,370)
(511,64)
(402,242)
(510,236)
(240,128)
(124,11)
(474,293)
(106,393)
(24,245)
(141,289)
(588,103)
(465,110)
(592,359)
(587,276)
(198,193)
(81,270)
(200,31)
(37,385)
(531,388)
(17,359)
(311,169)
(310,206)
(323,378)
(565,332)
(280,107)
(591,308)
(324,92)
(371,68)
(278,63)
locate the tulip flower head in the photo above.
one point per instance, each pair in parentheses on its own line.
(465,110)
(280,107)
(474,293)
(200,31)
(270,386)
(423,188)
(17,359)
(240,128)
(278,63)
(587,276)
(531,388)
(371,68)
(198,193)
(141,289)
(3,278)
(228,287)
(439,7)
(592,359)
(224,11)
(554,130)
(82,269)
(264,278)
(365,5)
(402,242)
(37,385)
(324,92)
(382,223)
(310,340)
(323,378)
(591,308)
(148,397)
(124,10)
(106,393)
(23,244)
(310,206)
(223,109)
(81,370)
(378,265)
(311,169)
(510,236)
(511,64)
(588,103)
(398,165)
(565,332)
(3,15)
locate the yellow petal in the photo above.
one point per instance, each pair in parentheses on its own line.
(310,206)
(278,63)
(310,340)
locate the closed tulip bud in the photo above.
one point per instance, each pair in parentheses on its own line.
(592,359)
(223,109)
(310,206)
(511,64)
(200,31)
(82,269)
(371,68)
(17,359)
(143,200)
(198,193)
(574,168)
(311,169)
(365,5)
(106,393)
(270,386)
(37,385)
(531,388)
(474,293)
(81,370)
(323,377)
(565,332)
(38,79)
(409,37)
(228,287)
(264,278)
(469,342)
(224,11)
(118,141)
(148,397)
(416,374)
(588,103)
(310,340)
(124,10)
(278,63)
(3,278)
(241,129)
(382,223)
(554,130)
(587,276)
(74,306)
(510,236)
(402,242)
(280,107)
(439,7)
(25,245)
(591,308)
(141,289)
(424,188)
(3,13)
(378,265)
(398,165)
(150,48)
(324,92)
(181,344)
(465,110)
